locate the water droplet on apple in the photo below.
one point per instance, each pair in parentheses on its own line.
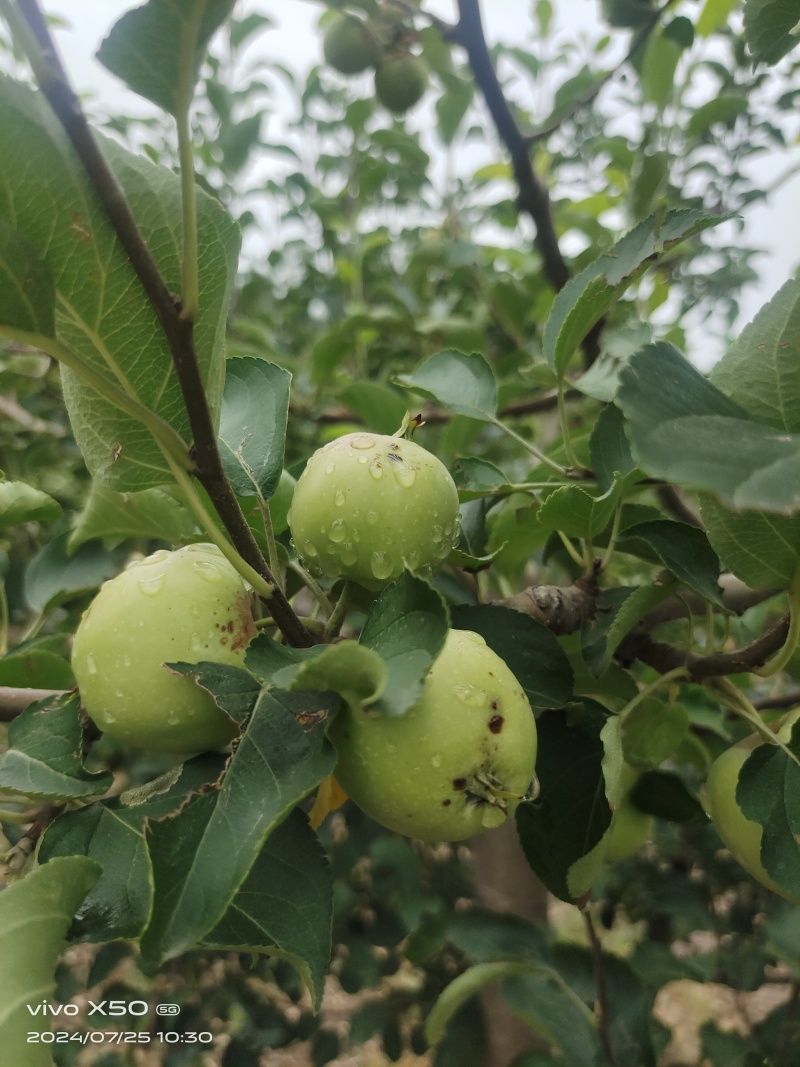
(309,549)
(380,566)
(436,761)
(470,694)
(195,642)
(126,661)
(406,476)
(339,498)
(207,570)
(363,440)
(338,531)
(348,554)
(152,586)
(108,716)
(172,719)
(376,468)
(437,533)
(157,557)
(330,468)
(118,693)
(91,664)
(363,459)
(194,610)
(372,518)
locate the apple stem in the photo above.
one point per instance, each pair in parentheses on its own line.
(736,701)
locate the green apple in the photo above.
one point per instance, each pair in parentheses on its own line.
(349,47)
(457,763)
(400,83)
(741,836)
(182,606)
(368,505)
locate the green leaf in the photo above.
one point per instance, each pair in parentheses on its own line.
(684,550)
(285,905)
(20,502)
(153,48)
(111,832)
(234,690)
(576,513)
(723,110)
(768,792)
(36,666)
(27,289)
(530,650)
(661,59)
(34,915)
(463,988)
(202,855)
(618,611)
(665,795)
(355,672)
(151,513)
(762,550)
(652,731)
(714,15)
(252,431)
(452,106)
(461,383)
(586,298)
(571,813)
(407,626)
(770,28)
(476,478)
(380,407)
(43,759)
(55,577)
(552,1009)
(759,370)
(102,313)
(684,430)
(609,449)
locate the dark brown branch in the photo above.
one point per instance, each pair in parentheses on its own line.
(663,658)
(736,597)
(533,197)
(780,700)
(178,330)
(562,609)
(674,504)
(435,415)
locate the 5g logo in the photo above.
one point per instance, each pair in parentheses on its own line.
(167,1009)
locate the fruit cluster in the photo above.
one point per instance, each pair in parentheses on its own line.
(352,46)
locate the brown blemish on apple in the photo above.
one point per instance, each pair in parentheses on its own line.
(459,783)
(496,723)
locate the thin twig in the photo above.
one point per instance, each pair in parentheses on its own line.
(603,1011)
(14,699)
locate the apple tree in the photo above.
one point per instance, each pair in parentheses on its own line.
(393,610)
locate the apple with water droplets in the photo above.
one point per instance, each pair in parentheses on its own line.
(457,763)
(368,505)
(183,606)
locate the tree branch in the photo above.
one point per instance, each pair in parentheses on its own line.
(14,700)
(533,197)
(178,329)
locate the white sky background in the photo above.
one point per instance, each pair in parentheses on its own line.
(295,42)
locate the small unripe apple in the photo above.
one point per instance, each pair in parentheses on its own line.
(349,47)
(630,829)
(183,606)
(367,506)
(457,763)
(741,836)
(400,83)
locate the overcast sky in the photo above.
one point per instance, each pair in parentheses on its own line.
(296,43)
